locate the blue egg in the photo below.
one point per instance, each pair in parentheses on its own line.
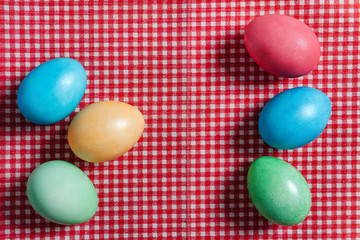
(51,91)
(294,118)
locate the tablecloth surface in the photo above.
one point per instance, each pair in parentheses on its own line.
(184,65)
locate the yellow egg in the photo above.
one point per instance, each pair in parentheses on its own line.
(105,130)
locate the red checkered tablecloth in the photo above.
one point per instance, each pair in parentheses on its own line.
(184,65)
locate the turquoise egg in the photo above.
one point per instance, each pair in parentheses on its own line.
(294,118)
(51,91)
(62,193)
(279,191)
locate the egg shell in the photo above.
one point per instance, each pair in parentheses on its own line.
(279,191)
(105,130)
(282,45)
(294,118)
(51,91)
(62,193)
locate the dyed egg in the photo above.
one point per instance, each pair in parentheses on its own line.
(282,45)
(62,193)
(294,118)
(105,130)
(51,91)
(279,191)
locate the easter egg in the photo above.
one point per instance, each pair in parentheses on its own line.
(294,118)
(62,193)
(51,91)
(279,191)
(105,130)
(282,45)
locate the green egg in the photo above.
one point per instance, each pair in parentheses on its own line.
(62,193)
(279,191)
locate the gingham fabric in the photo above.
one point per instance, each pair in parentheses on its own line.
(184,65)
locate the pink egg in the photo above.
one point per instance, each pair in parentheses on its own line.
(282,45)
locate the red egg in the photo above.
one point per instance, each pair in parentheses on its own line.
(282,45)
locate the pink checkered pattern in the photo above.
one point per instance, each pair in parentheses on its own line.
(184,65)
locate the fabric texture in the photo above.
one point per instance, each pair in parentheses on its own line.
(184,65)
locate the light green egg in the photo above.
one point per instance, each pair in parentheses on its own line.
(62,193)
